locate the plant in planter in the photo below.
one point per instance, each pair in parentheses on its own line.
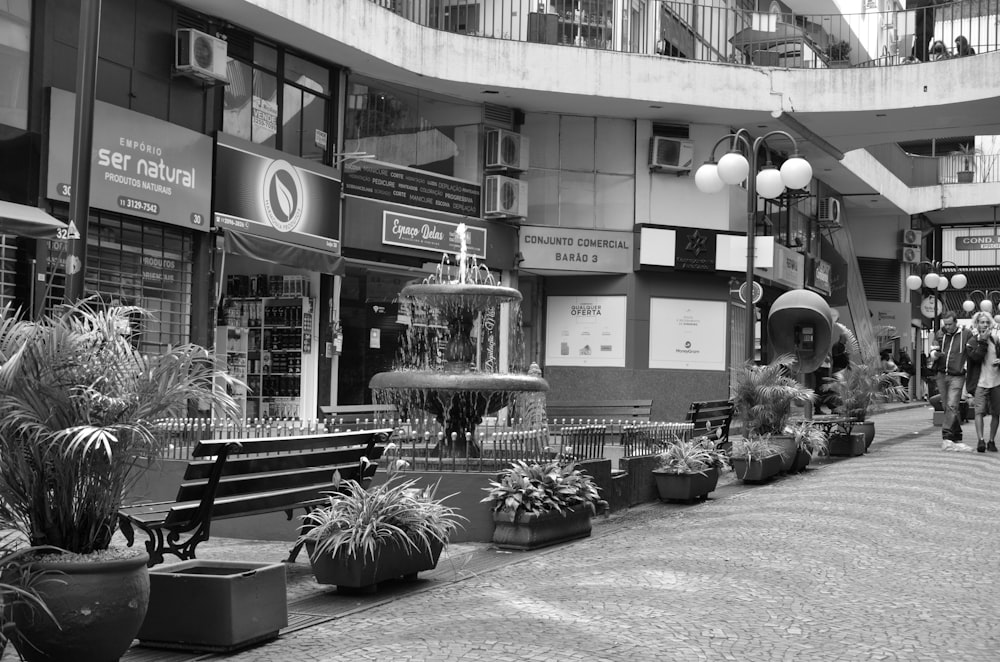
(78,410)
(839,54)
(763,396)
(538,504)
(363,537)
(755,458)
(810,442)
(967,162)
(688,469)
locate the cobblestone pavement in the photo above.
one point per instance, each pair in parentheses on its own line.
(887,556)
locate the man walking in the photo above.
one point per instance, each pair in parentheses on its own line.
(949,356)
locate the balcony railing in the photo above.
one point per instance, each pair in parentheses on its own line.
(720,34)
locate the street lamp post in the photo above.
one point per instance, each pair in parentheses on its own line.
(985,302)
(768,182)
(936,282)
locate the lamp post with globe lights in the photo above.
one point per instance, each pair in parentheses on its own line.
(766,181)
(985,302)
(935,282)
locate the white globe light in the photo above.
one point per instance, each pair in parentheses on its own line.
(913,282)
(959,281)
(733,168)
(706,178)
(996,319)
(769,184)
(968,306)
(986,306)
(931,280)
(796,172)
(942,283)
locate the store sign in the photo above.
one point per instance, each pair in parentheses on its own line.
(686,334)
(585,331)
(695,249)
(489,340)
(788,267)
(431,235)
(979,243)
(139,165)
(270,194)
(573,249)
(415,188)
(821,276)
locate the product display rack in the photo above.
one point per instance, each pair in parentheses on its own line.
(268,345)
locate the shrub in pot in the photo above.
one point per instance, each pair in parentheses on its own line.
(688,469)
(360,537)
(810,442)
(755,458)
(763,396)
(537,504)
(78,410)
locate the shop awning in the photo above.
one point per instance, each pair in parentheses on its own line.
(28,221)
(279,252)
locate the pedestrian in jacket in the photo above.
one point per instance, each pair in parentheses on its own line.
(982,377)
(949,355)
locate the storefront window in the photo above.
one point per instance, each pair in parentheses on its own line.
(130,262)
(412,128)
(15,48)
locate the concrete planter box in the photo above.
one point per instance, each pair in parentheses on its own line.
(214,606)
(524,531)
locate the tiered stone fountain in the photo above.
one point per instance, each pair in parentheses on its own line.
(451,388)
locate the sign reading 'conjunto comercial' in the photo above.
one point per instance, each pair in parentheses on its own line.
(575,249)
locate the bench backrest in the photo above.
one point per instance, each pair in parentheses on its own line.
(597,410)
(273,473)
(711,415)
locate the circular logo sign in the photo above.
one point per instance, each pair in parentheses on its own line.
(930,307)
(282,192)
(758,292)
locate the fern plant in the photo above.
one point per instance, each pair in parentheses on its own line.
(764,395)
(690,456)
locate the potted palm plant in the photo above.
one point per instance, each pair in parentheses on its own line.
(763,397)
(688,469)
(967,162)
(78,409)
(361,538)
(538,504)
(810,442)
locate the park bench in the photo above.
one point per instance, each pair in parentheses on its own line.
(712,418)
(598,411)
(229,478)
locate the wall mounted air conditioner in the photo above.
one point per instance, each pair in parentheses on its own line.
(910,237)
(506,149)
(828,211)
(201,56)
(505,197)
(909,255)
(670,154)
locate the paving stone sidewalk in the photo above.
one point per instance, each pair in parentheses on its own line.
(887,556)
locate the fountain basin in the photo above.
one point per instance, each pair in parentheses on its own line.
(450,297)
(436,380)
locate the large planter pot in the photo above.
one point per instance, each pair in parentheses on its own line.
(867,428)
(98,605)
(802,460)
(685,487)
(533,530)
(786,446)
(756,470)
(392,560)
(965,176)
(844,445)
(238,604)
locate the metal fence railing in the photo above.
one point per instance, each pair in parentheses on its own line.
(734,34)
(422,446)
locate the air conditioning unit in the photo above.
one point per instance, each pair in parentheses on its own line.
(505,197)
(909,255)
(506,149)
(670,154)
(828,211)
(201,56)
(911,237)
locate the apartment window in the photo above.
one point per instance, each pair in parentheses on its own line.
(582,171)
(278,99)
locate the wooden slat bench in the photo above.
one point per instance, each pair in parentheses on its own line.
(238,477)
(713,418)
(596,411)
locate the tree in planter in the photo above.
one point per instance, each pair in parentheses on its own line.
(839,51)
(967,157)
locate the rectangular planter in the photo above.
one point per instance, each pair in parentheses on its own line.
(757,471)
(214,606)
(393,560)
(533,530)
(842,445)
(685,487)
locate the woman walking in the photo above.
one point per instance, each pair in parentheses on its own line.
(983,377)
